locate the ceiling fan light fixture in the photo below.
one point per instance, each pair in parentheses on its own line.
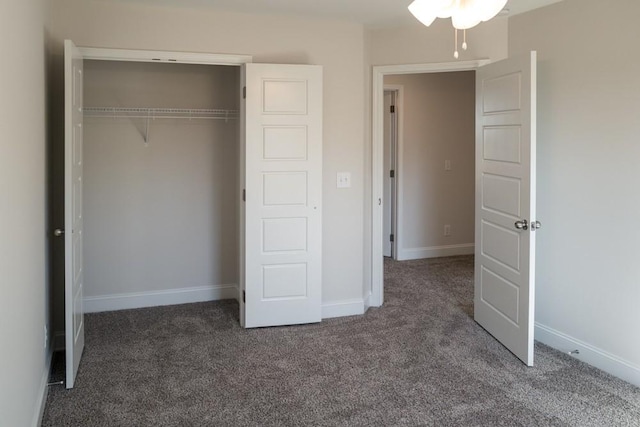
(464,14)
(421,11)
(426,11)
(448,10)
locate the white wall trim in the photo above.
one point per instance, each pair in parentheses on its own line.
(367,302)
(377,149)
(435,67)
(163,56)
(594,356)
(353,307)
(435,251)
(44,391)
(158,298)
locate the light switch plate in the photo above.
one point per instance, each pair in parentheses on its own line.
(344,180)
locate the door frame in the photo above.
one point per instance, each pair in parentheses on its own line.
(173,57)
(376,295)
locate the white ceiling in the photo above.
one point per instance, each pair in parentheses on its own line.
(371,13)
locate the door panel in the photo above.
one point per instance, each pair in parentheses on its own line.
(283,180)
(503,144)
(502,194)
(501,246)
(74,274)
(284,234)
(505,194)
(285,188)
(285,143)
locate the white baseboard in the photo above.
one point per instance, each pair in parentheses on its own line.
(158,298)
(44,391)
(367,302)
(435,251)
(589,354)
(343,308)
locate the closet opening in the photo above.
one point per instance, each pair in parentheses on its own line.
(169,147)
(161,191)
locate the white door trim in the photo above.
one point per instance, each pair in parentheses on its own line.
(163,56)
(376,296)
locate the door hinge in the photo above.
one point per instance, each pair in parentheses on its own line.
(244,195)
(391,238)
(392,173)
(244,296)
(244,92)
(393,109)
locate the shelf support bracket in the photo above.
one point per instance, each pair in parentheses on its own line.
(146,133)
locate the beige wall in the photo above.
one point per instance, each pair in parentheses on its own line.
(23,282)
(337,46)
(588,274)
(417,44)
(438,122)
(160,216)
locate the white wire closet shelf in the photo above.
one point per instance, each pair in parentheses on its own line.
(159,113)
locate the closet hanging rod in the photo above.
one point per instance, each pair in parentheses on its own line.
(159,113)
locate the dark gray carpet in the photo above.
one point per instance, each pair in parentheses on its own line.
(419,360)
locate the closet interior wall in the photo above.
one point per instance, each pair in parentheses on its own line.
(161,215)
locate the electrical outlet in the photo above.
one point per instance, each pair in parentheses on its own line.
(447,165)
(447,230)
(46,336)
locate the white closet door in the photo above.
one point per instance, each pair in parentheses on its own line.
(505,202)
(73,220)
(389,165)
(283,183)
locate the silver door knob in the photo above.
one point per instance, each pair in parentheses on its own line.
(535,225)
(58,232)
(522,224)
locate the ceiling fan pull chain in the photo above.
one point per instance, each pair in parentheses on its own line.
(464,42)
(455,52)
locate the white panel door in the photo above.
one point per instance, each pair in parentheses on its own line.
(283,180)
(388,193)
(505,202)
(73,281)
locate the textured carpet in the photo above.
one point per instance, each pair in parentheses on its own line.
(419,360)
